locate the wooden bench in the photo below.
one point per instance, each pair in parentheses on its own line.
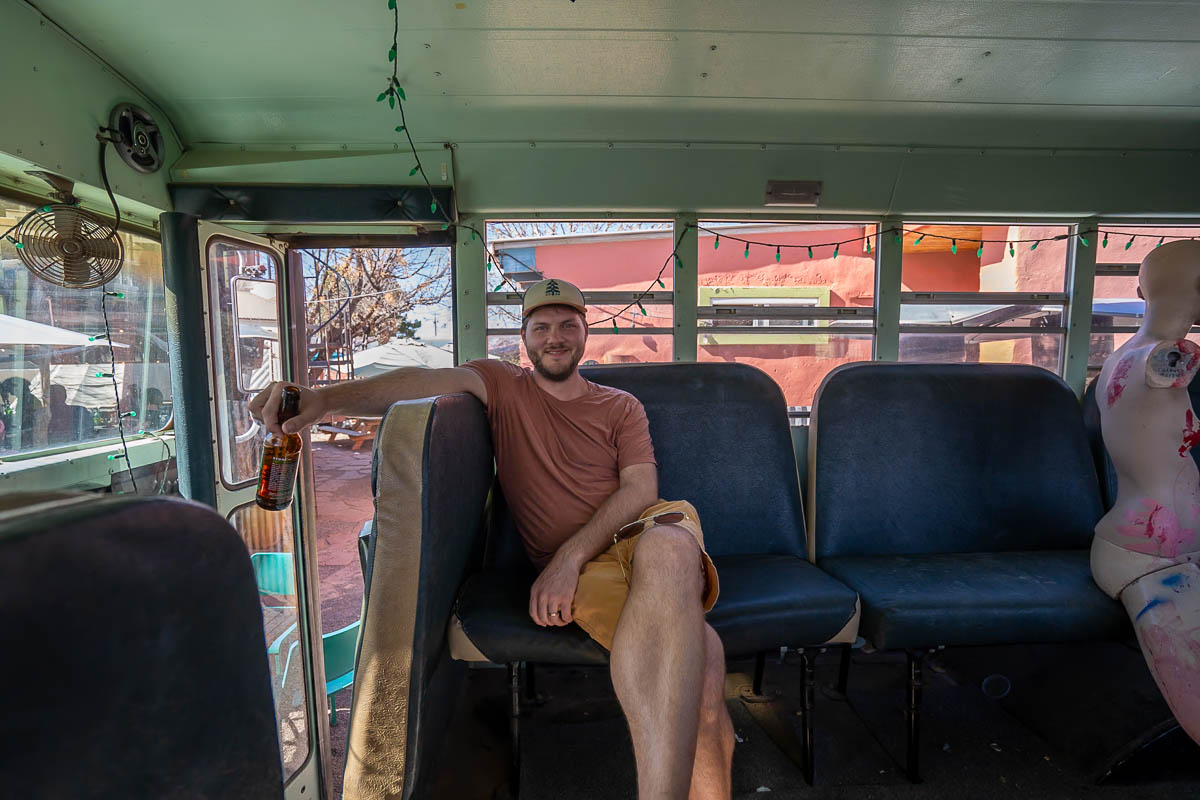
(358,437)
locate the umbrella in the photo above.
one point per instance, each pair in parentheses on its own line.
(400,353)
(16,331)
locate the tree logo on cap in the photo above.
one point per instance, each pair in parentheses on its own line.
(552,289)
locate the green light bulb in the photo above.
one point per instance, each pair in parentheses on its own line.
(747,253)
(392,54)
(433,208)
(391,100)
(979,252)
(499,286)
(639,305)
(1034,245)
(1084,240)
(661,284)
(1160,242)
(399,129)
(1011,250)
(615,329)
(897,239)
(919,238)
(954,246)
(868,246)
(836,248)
(414,170)
(382,96)
(810,252)
(716,242)
(1105,242)
(776,255)
(1129,244)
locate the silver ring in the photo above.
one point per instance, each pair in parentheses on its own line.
(558,613)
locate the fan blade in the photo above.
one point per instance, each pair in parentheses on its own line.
(76,270)
(108,248)
(67,222)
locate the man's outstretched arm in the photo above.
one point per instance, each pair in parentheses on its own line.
(555,587)
(369,397)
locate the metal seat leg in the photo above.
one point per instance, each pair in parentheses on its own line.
(912,713)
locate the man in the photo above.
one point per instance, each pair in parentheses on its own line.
(577,467)
(1146,548)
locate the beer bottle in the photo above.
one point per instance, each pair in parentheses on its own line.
(280,458)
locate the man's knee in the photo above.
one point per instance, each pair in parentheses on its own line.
(713,699)
(667,548)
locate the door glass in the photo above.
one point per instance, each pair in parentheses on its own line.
(245,321)
(269,537)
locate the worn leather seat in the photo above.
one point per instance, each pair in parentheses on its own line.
(133,650)
(959,500)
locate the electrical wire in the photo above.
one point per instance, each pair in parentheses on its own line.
(104,295)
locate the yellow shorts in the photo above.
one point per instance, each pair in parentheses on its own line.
(604,582)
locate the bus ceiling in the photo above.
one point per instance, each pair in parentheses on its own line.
(897,108)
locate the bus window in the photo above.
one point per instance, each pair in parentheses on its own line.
(957,291)
(611,262)
(55,362)
(247,357)
(771,305)
(1117,311)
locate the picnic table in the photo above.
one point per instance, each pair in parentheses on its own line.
(359,431)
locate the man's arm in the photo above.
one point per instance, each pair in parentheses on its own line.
(554,590)
(369,397)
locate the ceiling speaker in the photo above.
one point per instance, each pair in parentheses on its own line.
(136,137)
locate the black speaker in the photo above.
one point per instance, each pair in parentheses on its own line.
(136,137)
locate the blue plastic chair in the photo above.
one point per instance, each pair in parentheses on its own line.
(339,648)
(275,574)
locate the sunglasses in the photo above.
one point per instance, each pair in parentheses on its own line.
(640,525)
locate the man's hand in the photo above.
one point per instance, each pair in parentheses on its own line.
(553,592)
(265,407)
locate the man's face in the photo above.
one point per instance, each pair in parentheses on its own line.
(554,338)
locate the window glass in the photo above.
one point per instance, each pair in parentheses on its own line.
(765,296)
(1116,307)
(245,320)
(798,365)
(948,258)
(595,256)
(269,537)
(806,267)
(1041,350)
(52,348)
(1014,259)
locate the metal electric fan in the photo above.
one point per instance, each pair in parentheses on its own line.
(65,245)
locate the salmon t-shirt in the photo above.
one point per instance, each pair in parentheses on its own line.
(558,460)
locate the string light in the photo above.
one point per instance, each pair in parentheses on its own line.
(954,246)
(897,237)
(660,283)
(810,252)
(641,309)
(836,248)
(919,238)
(747,253)
(1011,250)
(1129,244)
(1105,242)
(868,246)
(1160,242)
(716,243)
(1084,240)
(615,328)
(1033,246)
(777,254)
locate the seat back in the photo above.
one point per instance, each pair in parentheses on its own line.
(1104,465)
(135,658)
(907,459)
(274,573)
(339,648)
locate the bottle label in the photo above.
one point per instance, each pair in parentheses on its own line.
(281,476)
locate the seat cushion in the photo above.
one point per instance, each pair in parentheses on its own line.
(979,598)
(766,601)
(493,607)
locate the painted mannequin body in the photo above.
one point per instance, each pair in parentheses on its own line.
(1147,547)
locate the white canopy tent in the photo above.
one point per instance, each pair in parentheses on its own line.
(16,331)
(401,353)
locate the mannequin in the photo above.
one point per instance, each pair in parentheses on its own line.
(1147,547)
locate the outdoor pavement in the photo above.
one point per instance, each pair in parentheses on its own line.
(344,503)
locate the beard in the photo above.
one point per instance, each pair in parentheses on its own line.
(559,374)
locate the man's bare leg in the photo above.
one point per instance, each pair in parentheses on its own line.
(658,661)
(714,746)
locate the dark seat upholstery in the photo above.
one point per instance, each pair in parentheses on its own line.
(721,438)
(133,650)
(959,500)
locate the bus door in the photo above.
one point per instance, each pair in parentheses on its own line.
(229,308)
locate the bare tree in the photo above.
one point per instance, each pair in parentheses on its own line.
(372,291)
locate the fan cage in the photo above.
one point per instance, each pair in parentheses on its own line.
(69,247)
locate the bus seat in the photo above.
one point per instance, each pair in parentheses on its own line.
(721,437)
(959,500)
(1104,465)
(135,657)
